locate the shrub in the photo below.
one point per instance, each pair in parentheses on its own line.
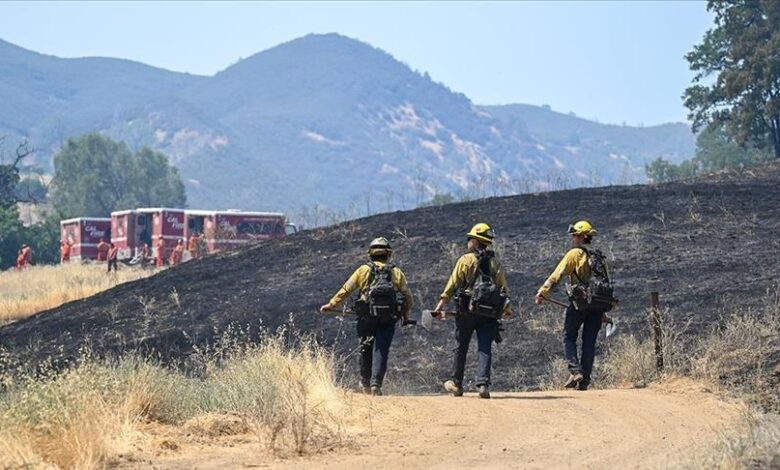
(86,416)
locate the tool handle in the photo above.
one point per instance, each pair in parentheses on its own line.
(435,313)
(556,302)
(338,312)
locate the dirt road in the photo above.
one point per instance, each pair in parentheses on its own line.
(647,428)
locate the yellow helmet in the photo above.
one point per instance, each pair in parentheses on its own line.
(583,227)
(481,232)
(380,246)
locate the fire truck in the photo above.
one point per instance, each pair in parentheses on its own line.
(130,229)
(219,230)
(84,234)
(223,230)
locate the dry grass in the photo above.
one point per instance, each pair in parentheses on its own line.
(743,354)
(89,416)
(751,444)
(24,293)
(740,357)
(630,360)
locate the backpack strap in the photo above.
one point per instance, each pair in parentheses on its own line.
(603,262)
(587,254)
(388,270)
(376,270)
(484,265)
(372,274)
(483,268)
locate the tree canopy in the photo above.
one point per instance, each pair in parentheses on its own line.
(715,150)
(43,236)
(94,175)
(737,82)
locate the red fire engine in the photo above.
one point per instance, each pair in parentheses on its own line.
(130,229)
(227,229)
(220,230)
(84,234)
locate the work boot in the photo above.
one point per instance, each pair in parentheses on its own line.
(484,391)
(376,391)
(452,387)
(574,380)
(366,389)
(582,385)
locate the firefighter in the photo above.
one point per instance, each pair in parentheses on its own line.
(144,254)
(160,255)
(113,253)
(478,263)
(65,247)
(19,259)
(177,253)
(102,250)
(379,283)
(25,257)
(194,245)
(587,317)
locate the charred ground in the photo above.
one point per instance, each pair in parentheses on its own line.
(708,246)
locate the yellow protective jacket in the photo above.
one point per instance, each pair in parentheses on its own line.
(574,264)
(465,271)
(360,280)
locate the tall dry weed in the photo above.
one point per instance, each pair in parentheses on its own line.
(73,421)
(87,416)
(751,443)
(630,360)
(288,396)
(555,375)
(743,353)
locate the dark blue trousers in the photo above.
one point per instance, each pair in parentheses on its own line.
(375,339)
(589,319)
(486,329)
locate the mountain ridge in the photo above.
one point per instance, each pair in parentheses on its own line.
(320,119)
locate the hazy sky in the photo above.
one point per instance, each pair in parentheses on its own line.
(614,61)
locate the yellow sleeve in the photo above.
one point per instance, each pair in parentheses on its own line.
(565,267)
(357,279)
(399,281)
(463,268)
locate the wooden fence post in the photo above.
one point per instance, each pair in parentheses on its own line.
(655,323)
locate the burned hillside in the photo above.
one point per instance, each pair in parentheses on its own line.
(708,246)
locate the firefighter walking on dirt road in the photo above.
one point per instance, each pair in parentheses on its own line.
(479,283)
(590,297)
(378,308)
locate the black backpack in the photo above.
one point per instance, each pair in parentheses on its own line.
(382,294)
(598,291)
(487,298)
